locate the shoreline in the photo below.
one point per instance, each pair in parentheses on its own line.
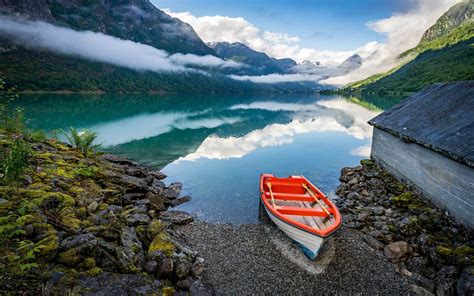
(122,210)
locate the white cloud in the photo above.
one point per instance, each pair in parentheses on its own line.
(237,29)
(101,47)
(332,115)
(277,78)
(403,31)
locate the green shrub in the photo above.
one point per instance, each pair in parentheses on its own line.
(82,140)
(15,160)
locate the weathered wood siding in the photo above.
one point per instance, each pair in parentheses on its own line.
(448,183)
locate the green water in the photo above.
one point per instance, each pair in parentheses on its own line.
(218,145)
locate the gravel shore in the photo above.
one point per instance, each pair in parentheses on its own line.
(259,259)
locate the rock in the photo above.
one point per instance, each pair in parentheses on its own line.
(182,266)
(397,251)
(199,289)
(378,211)
(373,242)
(180,200)
(151,267)
(419,291)
(157,174)
(130,256)
(75,241)
(362,217)
(29,230)
(92,207)
(134,184)
(198,267)
(118,160)
(176,217)
(157,184)
(465,285)
(165,268)
(446,281)
(172,191)
(138,219)
(353,195)
(184,284)
(156,201)
(353,181)
(28,180)
(117,284)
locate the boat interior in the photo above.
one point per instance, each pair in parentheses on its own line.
(304,205)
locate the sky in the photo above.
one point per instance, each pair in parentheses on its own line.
(327,31)
(324,24)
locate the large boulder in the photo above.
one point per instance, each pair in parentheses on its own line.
(397,251)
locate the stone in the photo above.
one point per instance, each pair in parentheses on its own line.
(182,266)
(29,230)
(198,267)
(165,268)
(176,217)
(180,200)
(75,241)
(138,219)
(151,267)
(379,211)
(28,180)
(157,184)
(118,160)
(134,184)
(397,251)
(465,284)
(200,289)
(419,291)
(372,242)
(353,181)
(353,195)
(446,280)
(184,284)
(130,256)
(92,207)
(156,201)
(362,217)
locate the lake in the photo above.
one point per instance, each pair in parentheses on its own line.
(218,145)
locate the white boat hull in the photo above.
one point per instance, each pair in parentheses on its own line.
(310,243)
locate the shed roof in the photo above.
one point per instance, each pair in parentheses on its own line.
(439,117)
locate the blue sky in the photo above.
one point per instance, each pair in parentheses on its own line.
(323,24)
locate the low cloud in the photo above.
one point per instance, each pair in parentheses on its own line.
(100,47)
(403,32)
(277,78)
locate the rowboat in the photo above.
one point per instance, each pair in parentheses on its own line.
(300,210)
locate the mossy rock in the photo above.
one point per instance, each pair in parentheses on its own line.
(162,242)
(70,257)
(69,219)
(154,228)
(369,164)
(93,271)
(168,291)
(38,197)
(49,247)
(406,200)
(88,263)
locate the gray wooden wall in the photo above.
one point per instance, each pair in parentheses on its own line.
(449,184)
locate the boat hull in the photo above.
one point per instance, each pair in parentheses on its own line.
(310,243)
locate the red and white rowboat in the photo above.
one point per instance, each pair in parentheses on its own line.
(300,210)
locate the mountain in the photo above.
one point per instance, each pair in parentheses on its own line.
(255,63)
(445,53)
(453,18)
(351,63)
(285,64)
(136,20)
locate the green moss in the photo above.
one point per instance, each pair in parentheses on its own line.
(38,196)
(406,200)
(168,291)
(444,251)
(88,263)
(69,257)
(154,228)
(69,219)
(464,255)
(49,246)
(82,212)
(94,271)
(162,242)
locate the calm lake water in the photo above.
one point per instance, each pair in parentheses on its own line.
(218,145)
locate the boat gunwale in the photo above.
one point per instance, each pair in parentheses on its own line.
(319,232)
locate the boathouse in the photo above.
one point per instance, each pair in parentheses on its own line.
(427,141)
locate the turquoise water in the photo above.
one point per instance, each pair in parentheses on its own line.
(218,145)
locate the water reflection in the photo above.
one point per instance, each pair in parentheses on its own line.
(218,145)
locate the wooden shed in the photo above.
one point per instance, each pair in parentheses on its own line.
(427,140)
